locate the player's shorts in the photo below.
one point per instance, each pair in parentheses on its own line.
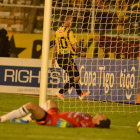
(66,62)
(45,120)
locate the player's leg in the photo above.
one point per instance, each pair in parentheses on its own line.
(22,111)
(67,65)
(37,112)
(46,106)
(70,67)
(29,117)
(75,73)
(34,109)
(63,62)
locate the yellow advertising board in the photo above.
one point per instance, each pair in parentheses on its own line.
(30,45)
(26,42)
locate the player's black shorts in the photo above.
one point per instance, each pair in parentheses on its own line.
(66,62)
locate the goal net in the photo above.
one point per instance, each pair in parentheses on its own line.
(108,32)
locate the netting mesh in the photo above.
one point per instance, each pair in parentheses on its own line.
(108,32)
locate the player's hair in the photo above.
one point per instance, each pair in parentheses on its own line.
(104,124)
(68,17)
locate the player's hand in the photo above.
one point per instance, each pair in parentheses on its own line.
(83,54)
(63,123)
(53,63)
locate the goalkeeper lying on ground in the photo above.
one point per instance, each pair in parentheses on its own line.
(49,115)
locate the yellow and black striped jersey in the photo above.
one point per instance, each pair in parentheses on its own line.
(64,39)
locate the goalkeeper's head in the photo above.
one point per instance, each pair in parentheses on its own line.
(68,21)
(101,121)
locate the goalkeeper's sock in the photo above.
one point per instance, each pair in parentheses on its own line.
(22,111)
(45,106)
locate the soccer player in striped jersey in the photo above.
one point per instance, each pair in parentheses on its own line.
(65,48)
(52,117)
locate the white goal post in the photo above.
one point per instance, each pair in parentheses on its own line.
(45,51)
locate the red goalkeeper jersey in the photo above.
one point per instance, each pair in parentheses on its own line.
(76,119)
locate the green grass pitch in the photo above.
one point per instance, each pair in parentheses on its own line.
(123,126)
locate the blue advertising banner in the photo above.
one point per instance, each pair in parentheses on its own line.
(20,76)
(109,79)
(106,79)
(29,76)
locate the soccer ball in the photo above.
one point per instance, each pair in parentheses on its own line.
(138,127)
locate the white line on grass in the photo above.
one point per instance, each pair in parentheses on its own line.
(124,126)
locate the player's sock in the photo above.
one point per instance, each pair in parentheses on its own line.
(44,106)
(22,111)
(66,87)
(69,85)
(78,89)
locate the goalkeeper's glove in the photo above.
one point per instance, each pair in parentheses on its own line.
(63,123)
